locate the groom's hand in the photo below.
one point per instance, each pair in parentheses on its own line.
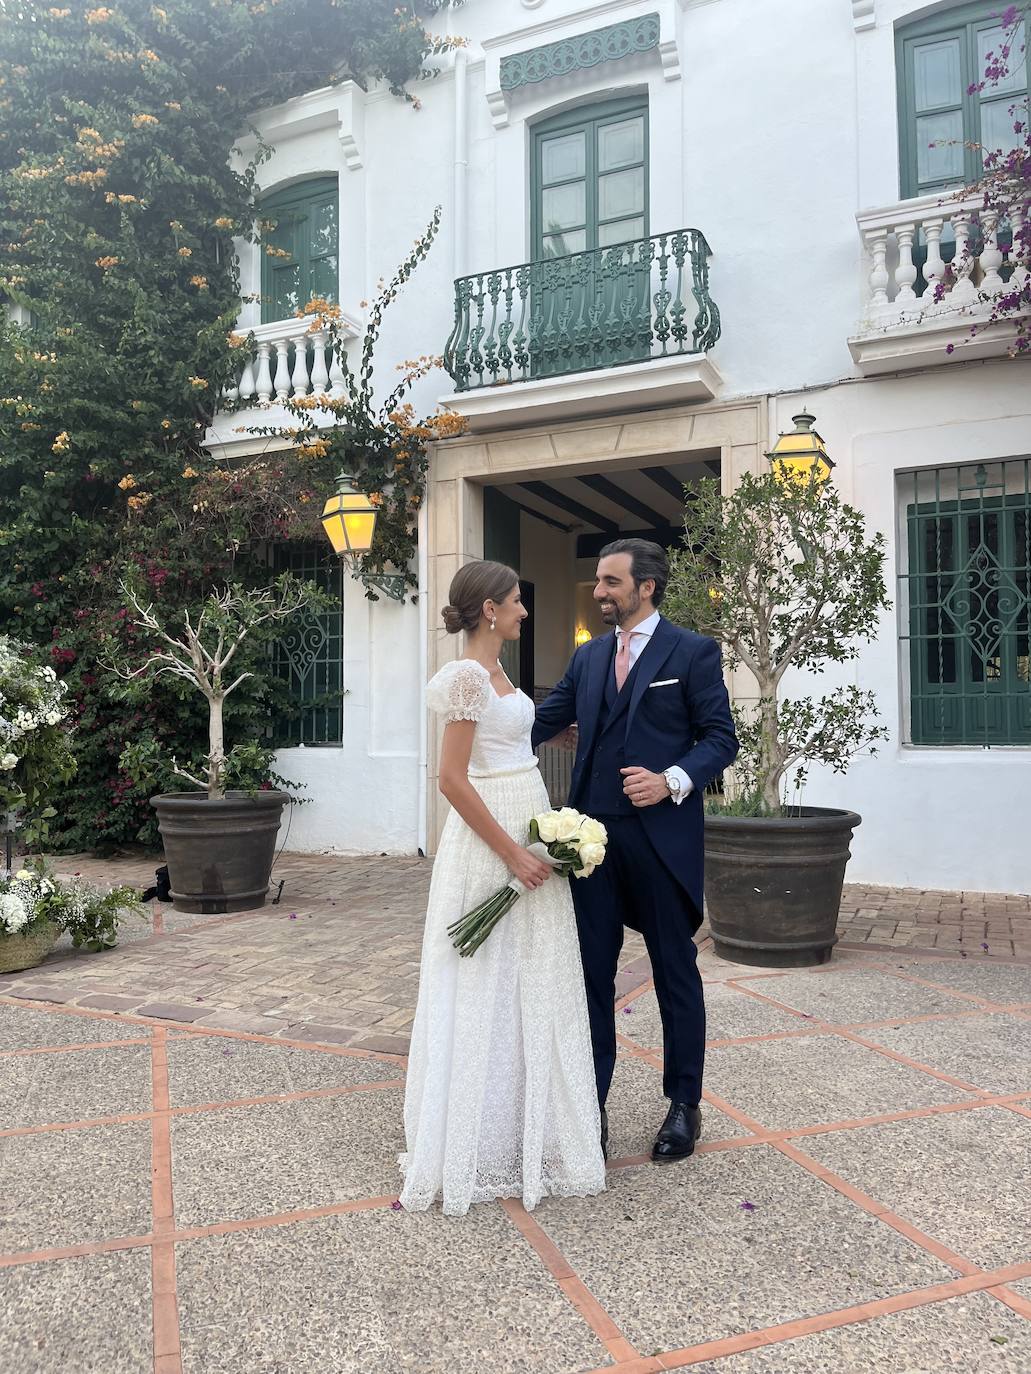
(643,787)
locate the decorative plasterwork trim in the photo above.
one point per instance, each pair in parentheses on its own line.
(351,124)
(511,63)
(863,14)
(341,107)
(610,44)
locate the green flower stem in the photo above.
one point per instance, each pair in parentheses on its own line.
(469,933)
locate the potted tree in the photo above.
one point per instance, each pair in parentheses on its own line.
(783,574)
(219,841)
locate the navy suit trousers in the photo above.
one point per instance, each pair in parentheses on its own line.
(634,887)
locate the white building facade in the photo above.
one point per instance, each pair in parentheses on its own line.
(668,226)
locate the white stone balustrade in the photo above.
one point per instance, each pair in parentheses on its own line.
(290,359)
(934,266)
(900,292)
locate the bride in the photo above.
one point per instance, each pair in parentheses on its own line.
(501,1098)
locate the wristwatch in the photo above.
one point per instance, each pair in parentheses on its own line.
(673,783)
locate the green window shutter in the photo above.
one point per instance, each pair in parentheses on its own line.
(308,656)
(938,59)
(968,588)
(589,178)
(300,254)
(589,292)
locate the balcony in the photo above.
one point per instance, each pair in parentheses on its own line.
(587,333)
(936,264)
(288,359)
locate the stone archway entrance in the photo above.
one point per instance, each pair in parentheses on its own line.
(570,484)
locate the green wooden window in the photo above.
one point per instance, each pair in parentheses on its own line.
(590,178)
(299,254)
(938,59)
(308,656)
(589,296)
(967,588)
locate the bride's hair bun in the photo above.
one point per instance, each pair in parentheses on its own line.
(454,621)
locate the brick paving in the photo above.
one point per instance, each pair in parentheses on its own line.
(972,923)
(336,959)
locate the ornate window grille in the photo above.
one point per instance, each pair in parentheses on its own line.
(308,656)
(964,602)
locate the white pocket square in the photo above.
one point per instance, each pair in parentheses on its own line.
(666,682)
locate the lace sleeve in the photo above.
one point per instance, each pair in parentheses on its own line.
(460,691)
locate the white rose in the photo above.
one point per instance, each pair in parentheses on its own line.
(583,872)
(547,826)
(592,854)
(592,831)
(8,762)
(567,823)
(53,717)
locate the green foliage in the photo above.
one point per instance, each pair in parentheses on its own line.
(118,207)
(783,574)
(200,649)
(382,444)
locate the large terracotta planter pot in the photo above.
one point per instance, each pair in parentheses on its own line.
(219,853)
(28,947)
(773,885)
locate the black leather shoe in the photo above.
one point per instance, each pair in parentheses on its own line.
(604,1133)
(677,1134)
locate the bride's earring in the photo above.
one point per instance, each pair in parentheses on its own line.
(493,623)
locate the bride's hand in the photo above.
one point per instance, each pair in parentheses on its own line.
(528,869)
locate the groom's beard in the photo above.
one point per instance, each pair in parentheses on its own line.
(618,615)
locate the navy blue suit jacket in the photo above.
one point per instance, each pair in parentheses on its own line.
(686,722)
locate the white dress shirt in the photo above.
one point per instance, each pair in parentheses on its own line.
(640,635)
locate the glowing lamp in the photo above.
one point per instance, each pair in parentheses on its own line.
(801,455)
(582,635)
(349,519)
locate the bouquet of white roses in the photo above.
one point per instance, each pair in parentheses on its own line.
(567,841)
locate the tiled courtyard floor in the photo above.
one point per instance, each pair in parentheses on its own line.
(198,1135)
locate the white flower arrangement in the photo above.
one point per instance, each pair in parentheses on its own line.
(21,899)
(90,915)
(35,752)
(566,840)
(35,694)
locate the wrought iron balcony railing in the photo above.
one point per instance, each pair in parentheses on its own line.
(626,303)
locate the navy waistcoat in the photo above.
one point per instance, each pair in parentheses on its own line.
(605,795)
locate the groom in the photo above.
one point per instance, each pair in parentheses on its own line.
(654,729)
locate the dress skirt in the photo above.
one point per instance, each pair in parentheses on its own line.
(501,1099)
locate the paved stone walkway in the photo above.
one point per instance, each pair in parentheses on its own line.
(179,1197)
(336,960)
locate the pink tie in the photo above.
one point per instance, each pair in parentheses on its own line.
(623,659)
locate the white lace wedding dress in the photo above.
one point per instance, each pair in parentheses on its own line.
(500,1098)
